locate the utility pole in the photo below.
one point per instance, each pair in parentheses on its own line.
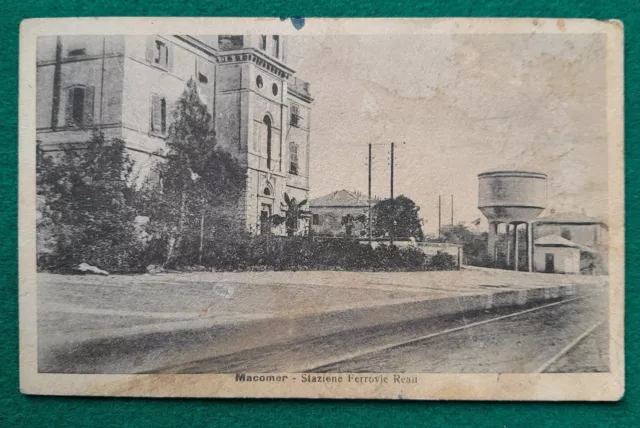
(393,205)
(57,79)
(369,198)
(439,215)
(452,210)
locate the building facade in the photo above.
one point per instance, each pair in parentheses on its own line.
(589,234)
(125,86)
(554,254)
(340,213)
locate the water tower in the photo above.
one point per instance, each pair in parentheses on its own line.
(512,197)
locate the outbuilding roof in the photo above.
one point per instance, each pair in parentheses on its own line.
(555,241)
(569,218)
(559,241)
(340,198)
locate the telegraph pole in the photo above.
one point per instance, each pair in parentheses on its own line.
(439,215)
(369,198)
(451,210)
(393,205)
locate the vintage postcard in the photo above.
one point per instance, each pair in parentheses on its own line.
(322,208)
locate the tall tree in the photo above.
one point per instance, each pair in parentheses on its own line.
(398,217)
(198,177)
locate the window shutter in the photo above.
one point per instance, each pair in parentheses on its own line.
(68,113)
(151,41)
(163,116)
(167,57)
(156,114)
(295,115)
(88,106)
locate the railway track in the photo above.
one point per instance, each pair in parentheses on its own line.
(327,364)
(564,351)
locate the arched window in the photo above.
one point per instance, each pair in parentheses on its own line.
(267,122)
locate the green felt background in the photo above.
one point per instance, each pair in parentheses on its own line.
(18,410)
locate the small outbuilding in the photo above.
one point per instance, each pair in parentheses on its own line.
(555,254)
(340,213)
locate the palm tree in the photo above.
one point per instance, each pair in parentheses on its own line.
(293,212)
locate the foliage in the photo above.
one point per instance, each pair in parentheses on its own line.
(474,245)
(201,185)
(293,212)
(443,261)
(350,222)
(398,216)
(90,211)
(85,208)
(302,253)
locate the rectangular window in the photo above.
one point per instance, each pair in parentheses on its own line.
(77,52)
(276,46)
(263,43)
(295,115)
(158,115)
(79,110)
(316,219)
(77,105)
(203,70)
(161,54)
(158,53)
(293,157)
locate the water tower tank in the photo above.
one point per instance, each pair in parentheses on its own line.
(510,195)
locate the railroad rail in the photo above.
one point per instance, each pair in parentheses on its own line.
(319,366)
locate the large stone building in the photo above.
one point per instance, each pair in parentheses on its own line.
(126,86)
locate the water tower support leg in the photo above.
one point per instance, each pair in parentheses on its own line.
(491,240)
(508,246)
(530,246)
(516,247)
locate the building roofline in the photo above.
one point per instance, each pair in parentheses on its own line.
(512,172)
(572,222)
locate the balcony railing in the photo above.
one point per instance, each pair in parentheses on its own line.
(300,87)
(229,43)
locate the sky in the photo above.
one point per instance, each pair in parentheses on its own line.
(457,105)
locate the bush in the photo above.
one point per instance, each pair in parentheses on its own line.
(443,261)
(85,209)
(242,252)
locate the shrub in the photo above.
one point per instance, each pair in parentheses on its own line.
(85,208)
(443,261)
(242,252)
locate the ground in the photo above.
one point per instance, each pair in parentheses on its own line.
(126,323)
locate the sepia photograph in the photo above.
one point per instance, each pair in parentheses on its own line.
(328,208)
